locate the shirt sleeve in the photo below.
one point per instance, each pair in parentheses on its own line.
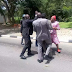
(57,26)
(34,27)
(49,26)
(21,22)
(21,28)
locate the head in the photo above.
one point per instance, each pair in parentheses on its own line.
(43,15)
(53,18)
(23,16)
(27,16)
(39,15)
(36,12)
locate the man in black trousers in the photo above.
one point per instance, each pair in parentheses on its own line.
(23,17)
(26,31)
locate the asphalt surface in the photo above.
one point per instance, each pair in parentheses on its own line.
(10,61)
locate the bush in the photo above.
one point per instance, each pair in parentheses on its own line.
(17,20)
(70,19)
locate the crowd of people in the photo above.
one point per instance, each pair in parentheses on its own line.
(45,34)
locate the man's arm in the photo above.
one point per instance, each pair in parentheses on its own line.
(30,23)
(49,26)
(21,28)
(21,22)
(34,27)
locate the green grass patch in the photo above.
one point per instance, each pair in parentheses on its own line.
(65,24)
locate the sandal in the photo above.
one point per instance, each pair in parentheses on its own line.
(59,51)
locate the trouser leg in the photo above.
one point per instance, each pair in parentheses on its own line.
(44,47)
(40,56)
(27,45)
(29,48)
(48,49)
(22,40)
(36,43)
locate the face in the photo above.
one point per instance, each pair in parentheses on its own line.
(52,19)
(27,16)
(36,12)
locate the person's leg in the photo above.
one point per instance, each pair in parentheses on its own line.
(36,43)
(26,46)
(48,49)
(40,55)
(29,47)
(44,47)
(58,50)
(22,41)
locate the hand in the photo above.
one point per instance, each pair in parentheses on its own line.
(55,28)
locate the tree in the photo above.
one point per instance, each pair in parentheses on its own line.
(30,6)
(33,5)
(10,7)
(2,12)
(61,8)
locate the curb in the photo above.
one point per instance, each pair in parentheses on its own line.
(34,38)
(10,36)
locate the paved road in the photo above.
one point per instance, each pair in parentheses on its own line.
(10,62)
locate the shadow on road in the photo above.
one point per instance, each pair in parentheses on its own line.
(51,54)
(54,50)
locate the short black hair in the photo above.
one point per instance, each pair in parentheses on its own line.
(43,15)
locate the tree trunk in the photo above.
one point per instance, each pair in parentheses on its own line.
(13,20)
(4,19)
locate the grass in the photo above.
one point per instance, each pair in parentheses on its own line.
(65,24)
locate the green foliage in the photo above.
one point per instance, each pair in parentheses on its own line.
(28,7)
(61,8)
(16,8)
(17,20)
(32,6)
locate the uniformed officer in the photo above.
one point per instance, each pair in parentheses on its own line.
(25,31)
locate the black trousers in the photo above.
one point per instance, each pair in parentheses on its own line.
(22,40)
(27,45)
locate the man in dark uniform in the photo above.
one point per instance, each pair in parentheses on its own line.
(23,17)
(25,31)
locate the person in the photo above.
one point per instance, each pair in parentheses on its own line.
(55,25)
(25,28)
(36,12)
(44,49)
(23,17)
(42,27)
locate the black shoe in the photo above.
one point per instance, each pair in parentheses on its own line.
(30,54)
(23,57)
(40,61)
